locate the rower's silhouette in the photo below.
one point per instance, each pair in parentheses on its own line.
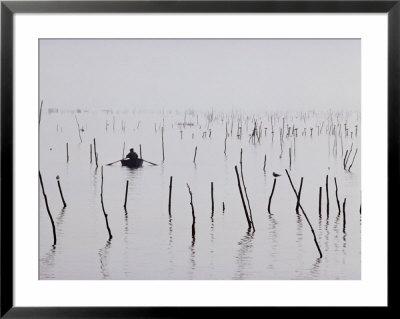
(132,155)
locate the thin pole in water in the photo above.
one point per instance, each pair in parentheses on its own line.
(48,211)
(212,199)
(102,206)
(337,197)
(241,195)
(327,197)
(320,197)
(162,141)
(126,193)
(305,215)
(270,196)
(61,193)
(298,196)
(344,215)
(169,197)
(195,153)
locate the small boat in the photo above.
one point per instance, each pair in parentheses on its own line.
(132,163)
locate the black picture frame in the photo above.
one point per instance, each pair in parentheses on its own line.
(9,8)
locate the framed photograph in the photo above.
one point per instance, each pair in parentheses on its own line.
(158,156)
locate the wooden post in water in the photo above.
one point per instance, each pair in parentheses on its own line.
(79,129)
(162,142)
(61,193)
(241,195)
(320,197)
(353,159)
(102,206)
(265,162)
(305,215)
(169,197)
(95,152)
(337,197)
(48,211)
(223,207)
(140,150)
(90,153)
(298,196)
(290,158)
(67,154)
(245,189)
(126,193)
(226,136)
(212,199)
(193,215)
(195,153)
(327,197)
(344,215)
(270,196)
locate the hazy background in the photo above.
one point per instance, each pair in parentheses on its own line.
(255,74)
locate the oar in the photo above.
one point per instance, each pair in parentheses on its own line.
(148,162)
(114,162)
(142,160)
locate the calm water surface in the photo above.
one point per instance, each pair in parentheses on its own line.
(149,244)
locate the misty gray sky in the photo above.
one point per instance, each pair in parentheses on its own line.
(255,74)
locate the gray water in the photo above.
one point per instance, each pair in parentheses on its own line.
(149,244)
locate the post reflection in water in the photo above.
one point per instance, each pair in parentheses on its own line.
(274,240)
(192,257)
(299,236)
(48,261)
(103,254)
(170,247)
(243,260)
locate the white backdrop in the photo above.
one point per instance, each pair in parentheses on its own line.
(370,290)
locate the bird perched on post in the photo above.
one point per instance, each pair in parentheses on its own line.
(275,174)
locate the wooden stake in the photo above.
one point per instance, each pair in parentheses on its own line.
(344,215)
(319,207)
(270,197)
(126,193)
(79,129)
(245,189)
(162,141)
(299,194)
(353,159)
(193,216)
(169,197)
(305,215)
(241,195)
(102,206)
(140,150)
(265,161)
(195,153)
(337,197)
(61,193)
(327,197)
(48,211)
(90,153)
(95,152)
(212,199)
(67,154)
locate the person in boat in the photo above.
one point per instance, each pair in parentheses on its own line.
(132,155)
